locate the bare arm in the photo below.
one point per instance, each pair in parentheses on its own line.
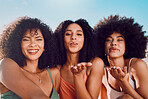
(139,71)
(12,77)
(93,84)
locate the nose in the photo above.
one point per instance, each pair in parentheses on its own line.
(32,43)
(73,37)
(114,43)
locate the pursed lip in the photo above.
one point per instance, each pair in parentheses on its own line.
(73,44)
(113,49)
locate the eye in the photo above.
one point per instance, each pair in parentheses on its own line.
(25,39)
(120,39)
(79,34)
(108,40)
(67,34)
(39,39)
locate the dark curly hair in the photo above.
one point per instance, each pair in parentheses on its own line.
(135,40)
(10,41)
(88,51)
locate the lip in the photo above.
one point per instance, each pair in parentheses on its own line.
(113,49)
(32,51)
(73,44)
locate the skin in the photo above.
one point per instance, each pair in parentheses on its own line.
(73,72)
(119,78)
(15,78)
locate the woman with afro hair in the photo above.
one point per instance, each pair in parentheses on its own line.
(26,61)
(80,70)
(121,44)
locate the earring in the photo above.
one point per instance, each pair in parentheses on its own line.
(105,55)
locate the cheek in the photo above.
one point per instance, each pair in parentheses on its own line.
(82,41)
(41,45)
(23,46)
(66,40)
(123,46)
(107,46)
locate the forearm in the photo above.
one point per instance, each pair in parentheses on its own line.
(128,89)
(81,90)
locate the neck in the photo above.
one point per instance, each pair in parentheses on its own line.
(72,59)
(119,62)
(32,66)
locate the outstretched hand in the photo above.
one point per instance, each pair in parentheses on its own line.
(80,67)
(117,72)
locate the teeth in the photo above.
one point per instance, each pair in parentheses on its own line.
(73,44)
(32,50)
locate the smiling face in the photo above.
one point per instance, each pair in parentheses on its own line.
(73,38)
(32,44)
(115,45)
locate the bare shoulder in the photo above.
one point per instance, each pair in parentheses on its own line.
(98,62)
(56,77)
(138,65)
(55,70)
(97,66)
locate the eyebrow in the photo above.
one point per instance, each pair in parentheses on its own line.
(26,37)
(117,36)
(29,37)
(77,30)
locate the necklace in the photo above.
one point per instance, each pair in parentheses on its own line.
(37,74)
(39,78)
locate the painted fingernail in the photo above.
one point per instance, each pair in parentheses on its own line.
(89,63)
(78,64)
(75,67)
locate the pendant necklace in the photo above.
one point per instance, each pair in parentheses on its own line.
(37,74)
(39,78)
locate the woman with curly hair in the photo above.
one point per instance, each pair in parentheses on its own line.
(121,44)
(80,70)
(26,50)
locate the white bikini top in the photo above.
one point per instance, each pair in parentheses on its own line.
(112,93)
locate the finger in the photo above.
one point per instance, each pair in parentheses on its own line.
(89,64)
(119,70)
(125,70)
(74,69)
(114,70)
(79,67)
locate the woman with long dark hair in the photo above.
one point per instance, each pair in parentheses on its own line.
(25,67)
(81,72)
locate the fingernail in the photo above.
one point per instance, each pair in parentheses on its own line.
(89,63)
(78,64)
(75,67)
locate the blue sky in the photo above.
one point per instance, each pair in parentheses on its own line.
(53,12)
